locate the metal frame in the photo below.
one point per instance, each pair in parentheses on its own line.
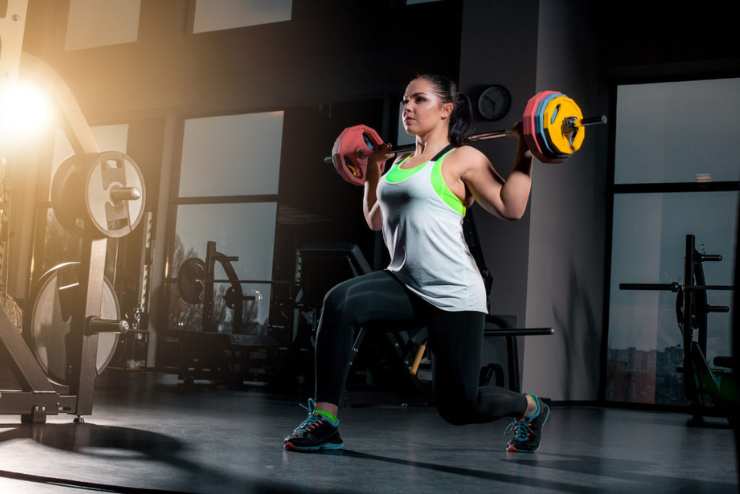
(39,396)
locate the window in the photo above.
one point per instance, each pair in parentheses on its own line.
(678,132)
(93,23)
(228,188)
(676,173)
(214,15)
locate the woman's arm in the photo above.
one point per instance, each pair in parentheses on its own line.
(505,198)
(370,205)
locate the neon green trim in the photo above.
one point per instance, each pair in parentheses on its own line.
(332,419)
(398,174)
(443,191)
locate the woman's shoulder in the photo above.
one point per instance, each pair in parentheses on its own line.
(468,155)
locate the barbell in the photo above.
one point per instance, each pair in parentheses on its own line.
(553,129)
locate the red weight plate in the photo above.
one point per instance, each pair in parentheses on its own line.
(344,155)
(528,123)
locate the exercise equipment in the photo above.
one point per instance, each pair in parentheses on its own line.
(96,196)
(190,280)
(203,350)
(351,150)
(195,281)
(49,325)
(553,129)
(7,302)
(710,390)
(99,194)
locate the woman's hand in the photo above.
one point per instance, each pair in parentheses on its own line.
(376,161)
(522,148)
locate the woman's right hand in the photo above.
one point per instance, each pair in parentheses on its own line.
(376,161)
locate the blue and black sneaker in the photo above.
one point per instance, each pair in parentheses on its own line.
(319,431)
(526,432)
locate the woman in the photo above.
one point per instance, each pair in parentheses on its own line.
(419,205)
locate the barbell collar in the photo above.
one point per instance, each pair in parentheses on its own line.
(118,193)
(96,325)
(600,120)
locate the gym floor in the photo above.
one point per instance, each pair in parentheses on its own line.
(149,434)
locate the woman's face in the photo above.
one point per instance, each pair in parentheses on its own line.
(422,108)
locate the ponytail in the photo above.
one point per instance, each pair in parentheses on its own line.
(461,117)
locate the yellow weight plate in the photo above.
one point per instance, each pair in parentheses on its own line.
(565,138)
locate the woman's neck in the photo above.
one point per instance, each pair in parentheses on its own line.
(431,143)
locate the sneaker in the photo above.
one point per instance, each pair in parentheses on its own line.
(527,432)
(314,434)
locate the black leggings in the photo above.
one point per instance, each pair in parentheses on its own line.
(455,340)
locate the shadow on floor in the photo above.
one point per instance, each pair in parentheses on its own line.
(124,444)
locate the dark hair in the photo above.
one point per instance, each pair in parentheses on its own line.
(462,112)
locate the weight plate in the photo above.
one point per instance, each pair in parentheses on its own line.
(539,127)
(190,279)
(82,194)
(111,217)
(554,119)
(66,193)
(552,155)
(528,125)
(344,155)
(50,321)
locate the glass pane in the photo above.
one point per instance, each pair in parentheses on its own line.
(92,23)
(678,132)
(648,246)
(243,230)
(213,15)
(183,315)
(231,155)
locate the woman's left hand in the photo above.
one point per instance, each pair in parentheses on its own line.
(522,148)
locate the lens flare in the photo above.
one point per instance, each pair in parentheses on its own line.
(25,110)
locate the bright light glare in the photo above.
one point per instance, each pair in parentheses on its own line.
(25,110)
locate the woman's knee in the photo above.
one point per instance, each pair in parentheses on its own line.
(335,298)
(458,411)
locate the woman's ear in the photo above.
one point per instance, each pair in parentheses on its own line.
(447,109)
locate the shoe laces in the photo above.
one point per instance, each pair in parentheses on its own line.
(519,429)
(312,421)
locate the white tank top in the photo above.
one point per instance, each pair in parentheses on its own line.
(422,229)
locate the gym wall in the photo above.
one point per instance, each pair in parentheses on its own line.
(565,279)
(492,32)
(547,267)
